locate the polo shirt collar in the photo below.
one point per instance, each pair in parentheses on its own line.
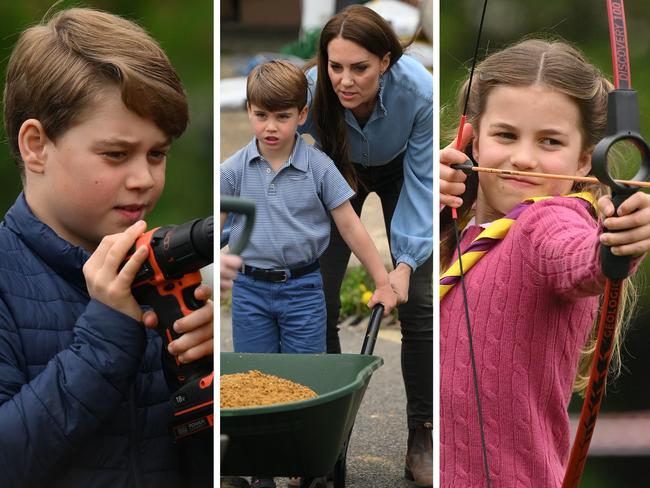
(300,154)
(298,157)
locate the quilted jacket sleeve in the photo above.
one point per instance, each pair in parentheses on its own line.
(44,420)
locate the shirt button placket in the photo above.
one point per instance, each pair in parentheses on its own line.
(366,160)
(270,177)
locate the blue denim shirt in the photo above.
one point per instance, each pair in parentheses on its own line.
(402,121)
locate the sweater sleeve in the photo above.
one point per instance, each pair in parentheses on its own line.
(45,420)
(559,240)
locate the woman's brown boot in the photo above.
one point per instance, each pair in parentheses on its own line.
(419,456)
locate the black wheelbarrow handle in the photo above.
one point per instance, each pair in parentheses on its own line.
(373,329)
(240,206)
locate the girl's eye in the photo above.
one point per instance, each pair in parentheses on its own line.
(335,67)
(549,141)
(506,135)
(360,69)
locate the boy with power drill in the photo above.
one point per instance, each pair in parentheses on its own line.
(91,106)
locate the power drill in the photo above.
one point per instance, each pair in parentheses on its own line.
(166,283)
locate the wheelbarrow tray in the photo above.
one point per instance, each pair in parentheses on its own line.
(302,438)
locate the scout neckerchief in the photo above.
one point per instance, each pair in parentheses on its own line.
(487,239)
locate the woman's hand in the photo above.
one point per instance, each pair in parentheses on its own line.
(631,223)
(197,328)
(400,279)
(384,295)
(106,281)
(452,181)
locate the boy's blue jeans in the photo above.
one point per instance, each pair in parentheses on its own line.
(287,317)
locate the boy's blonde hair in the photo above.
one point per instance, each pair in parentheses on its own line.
(277,85)
(60,67)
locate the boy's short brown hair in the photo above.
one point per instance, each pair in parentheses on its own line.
(60,67)
(277,85)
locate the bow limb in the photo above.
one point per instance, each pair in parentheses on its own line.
(623,123)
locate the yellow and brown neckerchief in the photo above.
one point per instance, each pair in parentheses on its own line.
(487,239)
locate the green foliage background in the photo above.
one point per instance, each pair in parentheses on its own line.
(584,24)
(185,32)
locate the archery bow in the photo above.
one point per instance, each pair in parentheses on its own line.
(623,124)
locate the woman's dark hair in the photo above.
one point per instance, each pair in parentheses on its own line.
(369,30)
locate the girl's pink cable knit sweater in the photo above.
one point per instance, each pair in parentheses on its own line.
(533,300)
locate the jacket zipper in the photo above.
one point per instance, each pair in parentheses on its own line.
(133,440)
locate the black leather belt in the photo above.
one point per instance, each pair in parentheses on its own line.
(278,275)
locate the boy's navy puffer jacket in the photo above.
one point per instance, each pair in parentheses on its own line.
(83,401)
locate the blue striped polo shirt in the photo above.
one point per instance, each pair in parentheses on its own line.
(292,223)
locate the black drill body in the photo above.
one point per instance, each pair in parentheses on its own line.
(166,283)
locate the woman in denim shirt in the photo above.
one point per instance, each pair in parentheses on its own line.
(371,111)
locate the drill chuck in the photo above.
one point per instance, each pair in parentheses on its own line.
(185,248)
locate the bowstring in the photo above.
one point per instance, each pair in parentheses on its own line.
(454,214)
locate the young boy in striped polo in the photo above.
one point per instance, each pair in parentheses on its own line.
(278,303)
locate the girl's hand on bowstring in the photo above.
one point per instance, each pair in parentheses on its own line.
(631,223)
(452,181)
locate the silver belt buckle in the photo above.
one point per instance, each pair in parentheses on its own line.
(286,276)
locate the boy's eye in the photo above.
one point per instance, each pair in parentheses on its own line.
(158,155)
(114,154)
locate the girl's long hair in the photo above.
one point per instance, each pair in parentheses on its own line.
(561,67)
(369,30)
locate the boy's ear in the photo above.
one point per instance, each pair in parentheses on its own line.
(32,142)
(302,115)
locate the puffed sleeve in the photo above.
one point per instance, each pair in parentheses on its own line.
(412,223)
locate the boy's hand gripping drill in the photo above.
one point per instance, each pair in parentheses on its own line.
(166,283)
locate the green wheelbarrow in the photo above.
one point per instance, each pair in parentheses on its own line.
(308,438)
